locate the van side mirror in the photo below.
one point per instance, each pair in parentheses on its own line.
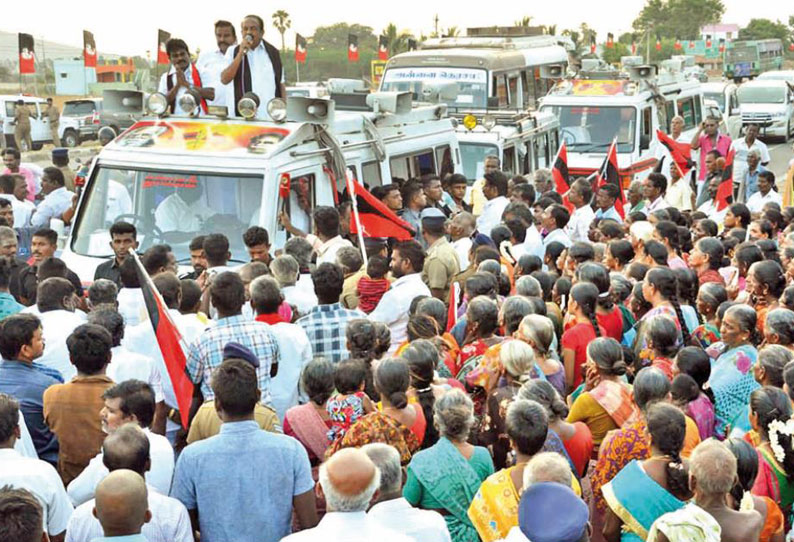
(645,142)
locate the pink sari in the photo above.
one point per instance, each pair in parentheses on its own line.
(702,411)
(309,428)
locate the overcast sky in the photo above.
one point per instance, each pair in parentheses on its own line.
(133,31)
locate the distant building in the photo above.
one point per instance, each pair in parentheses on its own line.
(720,31)
(118,70)
(72,78)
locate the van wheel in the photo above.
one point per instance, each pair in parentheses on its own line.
(71,139)
(37,146)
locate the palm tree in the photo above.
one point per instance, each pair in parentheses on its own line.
(452,31)
(282,22)
(524,21)
(551,29)
(398,41)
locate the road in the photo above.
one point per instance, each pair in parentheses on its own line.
(780,154)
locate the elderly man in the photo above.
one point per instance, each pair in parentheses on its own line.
(129,448)
(391,510)
(543,180)
(122,507)
(636,198)
(461,228)
(285,270)
(744,147)
(747,180)
(349,481)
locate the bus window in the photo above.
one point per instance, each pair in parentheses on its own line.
(686,109)
(444,161)
(508,160)
(646,128)
(413,165)
(370,173)
(515,96)
(500,84)
(542,151)
(528,163)
(527,89)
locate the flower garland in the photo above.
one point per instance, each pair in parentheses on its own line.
(777,427)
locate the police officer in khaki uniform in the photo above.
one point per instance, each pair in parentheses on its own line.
(22,126)
(441,263)
(55,120)
(60,159)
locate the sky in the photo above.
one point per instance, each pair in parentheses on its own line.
(134,31)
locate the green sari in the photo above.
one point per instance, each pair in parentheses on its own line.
(441,478)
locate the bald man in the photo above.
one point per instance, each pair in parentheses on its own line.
(122,507)
(349,480)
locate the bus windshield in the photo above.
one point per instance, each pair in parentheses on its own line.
(592,129)
(168,207)
(761,95)
(473,157)
(741,53)
(472,83)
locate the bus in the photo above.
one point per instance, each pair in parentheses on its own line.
(749,58)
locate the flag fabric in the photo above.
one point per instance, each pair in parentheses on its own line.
(722,45)
(376,219)
(559,173)
(412,45)
(724,195)
(790,46)
(708,42)
(658,42)
(691,44)
(592,44)
(454,303)
(27,63)
(89,49)
(352,48)
(383,48)
(300,49)
(633,47)
(162,39)
(610,40)
(169,340)
(677,45)
(610,174)
(681,153)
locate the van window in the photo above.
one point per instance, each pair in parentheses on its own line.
(413,165)
(647,123)
(508,160)
(370,173)
(686,108)
(541,145)
(444,161)
(500,86)
(78,109)
(301,202)
(698,110)
(527,89)
(669,110)
(512,86)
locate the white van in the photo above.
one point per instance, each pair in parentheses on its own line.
(770,104)
(39,123)
(723,93)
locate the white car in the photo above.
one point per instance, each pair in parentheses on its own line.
(39,123)
(778,75)
(770,104)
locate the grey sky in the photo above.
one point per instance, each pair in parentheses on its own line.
(132,31)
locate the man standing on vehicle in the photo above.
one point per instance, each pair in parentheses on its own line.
(22,126)
(743,146)
(214,62)
(184,76)
(708,138)
(54,115)
(253,66)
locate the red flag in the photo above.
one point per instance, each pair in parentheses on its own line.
(383,48)
(708,42)
(376,219)
(680,152)
(27,62)
(89,49)
(300,49)
(677,45)
(724,195)
(352,48)
(722,46)
(610,40)
(168,339)
(691,44)
(658,42)
(454,303)
(592,44)
(559,172)
(610,174)
(790,46)
(162,39)
(633,47)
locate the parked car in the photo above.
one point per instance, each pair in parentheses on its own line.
(778,75)
(79,121)
(39,123)
(770,104)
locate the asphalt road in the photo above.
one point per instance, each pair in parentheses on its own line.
(780,154)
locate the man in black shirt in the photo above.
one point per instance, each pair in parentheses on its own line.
(123,237)
(42,247)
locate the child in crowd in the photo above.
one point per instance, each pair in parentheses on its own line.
(372,286)
(349,403)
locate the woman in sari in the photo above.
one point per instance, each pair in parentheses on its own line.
(309,423)
(695,363)
(644,491)
(606,403)
(362,343)
(482,322)
(770,416)
(766,281)
(396,423)
(494,510)
(608,314)
(710,296)
(422,356)
(446,476)
(779,328)
(660,289)
(662,336)
(732,378)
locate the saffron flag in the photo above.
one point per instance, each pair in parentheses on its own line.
(162,39)
(300,49)
(559,172)
(610,174)
(27,63)
(681,153)
(376,219)
(383,48)
(352,48)
(724,195)
(169,340)
(89,49)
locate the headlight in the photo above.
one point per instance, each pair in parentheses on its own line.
(188,102)
(470,121)
(277,109)
(247,107)
(489,121)
(156,103)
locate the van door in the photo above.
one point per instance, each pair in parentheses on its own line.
(39,125)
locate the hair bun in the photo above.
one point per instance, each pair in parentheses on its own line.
(398,399)
(619,367)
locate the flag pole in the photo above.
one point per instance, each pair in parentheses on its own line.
(351,191)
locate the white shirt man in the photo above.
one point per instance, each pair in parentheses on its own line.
(56,326)
(24,444)
(463,246)
(558,235)
(757,201)
(421,525)
(52,206)
(213,63)
(393,307)
(300,297)
(170,521)
(491,214)
(742,149)
(132,306)
(82,488)
(263,82)
(655,205)
(326,251)
(294,346)
(127,365)
(176,214)
(679,195)
(23,210)
(205,80)
(118,202)
(41,479)
(347,526)
(579,224)
(710,208)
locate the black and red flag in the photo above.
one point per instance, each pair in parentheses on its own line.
(677,45)
(383,47)
(681,153)
(658,42)
(610,174)
(610,40)
(27,62)
(708,42)
(592,44)
(352,48)
(89,49)
(162,39)
(300,49)
(169,340)
(412,45)
(722,45)
(724,195)
(559,172)
(376,219)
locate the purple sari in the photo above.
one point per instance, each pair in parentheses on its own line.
(702,411)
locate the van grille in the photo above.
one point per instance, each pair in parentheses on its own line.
(760,118)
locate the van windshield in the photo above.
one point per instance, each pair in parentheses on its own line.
(168,207)
(761,95)
(472,84)
(718,97)
(473,157)
(592,129)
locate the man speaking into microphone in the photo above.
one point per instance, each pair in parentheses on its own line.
(253,66)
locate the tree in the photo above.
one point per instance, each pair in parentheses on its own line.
(612,55)
(452,31)
(524,21)
(335,35)
(550,29)
(678,18)
(282,22)
(398,41)
(762,29)
(575,37)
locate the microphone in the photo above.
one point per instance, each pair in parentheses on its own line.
(249,38)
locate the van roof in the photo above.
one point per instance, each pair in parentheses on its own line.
(22,97)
